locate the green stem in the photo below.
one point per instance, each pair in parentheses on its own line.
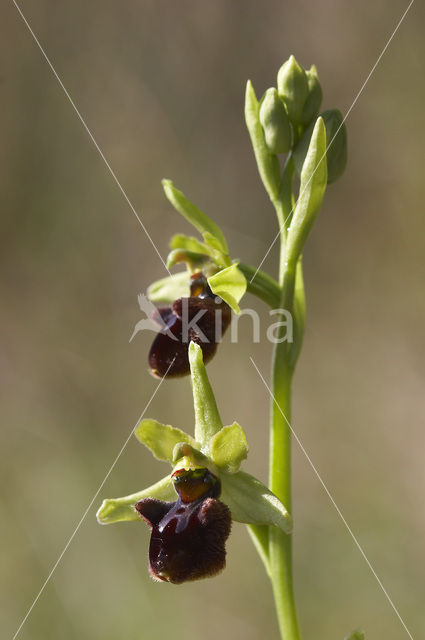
(274,546)
(280,544)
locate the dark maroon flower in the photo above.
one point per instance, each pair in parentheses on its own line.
(188,536)
(201,318)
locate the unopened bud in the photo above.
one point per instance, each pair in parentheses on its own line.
(292,86)
(314,97)
(275,122)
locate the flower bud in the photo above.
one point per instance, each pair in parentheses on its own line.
(275,122)
(336,143)
(314,97)
(292,86)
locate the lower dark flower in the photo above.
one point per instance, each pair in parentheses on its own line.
(188,536)
(201,318)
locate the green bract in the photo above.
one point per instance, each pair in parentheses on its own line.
(221,449)
(312,189)
(267,163)
(336,136)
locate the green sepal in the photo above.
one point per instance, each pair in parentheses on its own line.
(314,97)
(122,509)
(356,635)
(312,189)
(161,438)
(251,502)
(195,216)
(267,163)
(336,155)
(292,86)
(221,259)
(275,122)
(193,260)
(170,288)
(196,253)
(228,448)
(212,243)
(207,417)
(230,284)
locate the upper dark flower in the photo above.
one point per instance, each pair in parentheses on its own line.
(202,318)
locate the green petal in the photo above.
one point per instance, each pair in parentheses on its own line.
(161,438)
(170,288)
(122,509)
(207,417)
(195,216)
(251,502)
(189,243)
(356,635)
(230,284)
(229,447)
(194,260)
(211,248)
(312,189)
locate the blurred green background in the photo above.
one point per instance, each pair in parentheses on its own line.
(161,86)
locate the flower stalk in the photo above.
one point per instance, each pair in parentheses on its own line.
(280,547)
(308,156)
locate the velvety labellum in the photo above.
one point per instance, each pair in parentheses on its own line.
(188,536)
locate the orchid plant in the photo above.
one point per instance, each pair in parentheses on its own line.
(189,511)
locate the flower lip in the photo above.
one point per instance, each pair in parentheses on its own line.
(188,536)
